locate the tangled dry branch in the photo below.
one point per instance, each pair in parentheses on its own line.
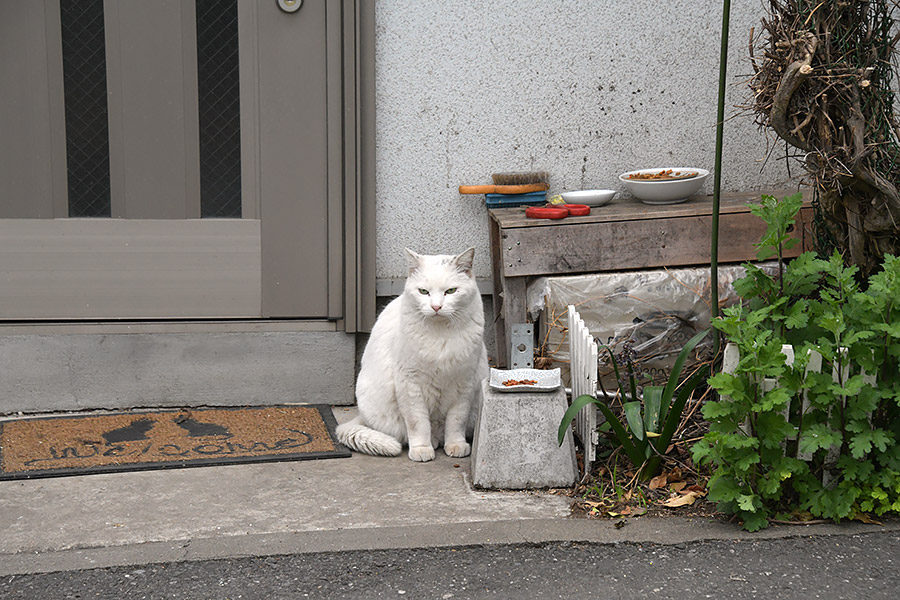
(823,80)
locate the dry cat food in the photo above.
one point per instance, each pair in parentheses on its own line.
(664,175)
(511,382)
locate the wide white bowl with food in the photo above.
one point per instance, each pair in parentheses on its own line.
(588,197)
(525,380)
(666,185)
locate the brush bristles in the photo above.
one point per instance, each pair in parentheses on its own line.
(521,178)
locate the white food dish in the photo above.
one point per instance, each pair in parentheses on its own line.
(589,197)
(670,191)
(547,380)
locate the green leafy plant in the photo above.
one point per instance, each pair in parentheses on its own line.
(650,421)
(786,437)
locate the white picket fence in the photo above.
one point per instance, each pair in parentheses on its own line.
(583,367)
(732,357)
(583,375)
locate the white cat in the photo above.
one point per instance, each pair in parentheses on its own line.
(420,377)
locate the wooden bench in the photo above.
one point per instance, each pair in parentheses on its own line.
(623,235)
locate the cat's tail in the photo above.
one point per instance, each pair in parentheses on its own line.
(356,436)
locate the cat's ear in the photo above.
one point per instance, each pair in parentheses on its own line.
(464,261)
(413,260)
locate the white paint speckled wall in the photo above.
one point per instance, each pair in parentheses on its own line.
(584,89)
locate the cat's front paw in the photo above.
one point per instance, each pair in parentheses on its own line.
(421,453)
(458,449)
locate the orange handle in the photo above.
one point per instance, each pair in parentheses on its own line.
(503,189)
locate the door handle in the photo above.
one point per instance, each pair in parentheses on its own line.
(290,6)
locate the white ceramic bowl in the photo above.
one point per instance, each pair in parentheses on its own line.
(670,191)
(589,197)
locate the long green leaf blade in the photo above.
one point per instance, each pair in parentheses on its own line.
(674,416)
(674,376)
(633,416)
(652,403)
(635,454)
(570,414)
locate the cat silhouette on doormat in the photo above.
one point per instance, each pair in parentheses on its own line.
(134,432)
(197,428)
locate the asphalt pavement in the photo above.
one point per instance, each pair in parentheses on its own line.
(806,567)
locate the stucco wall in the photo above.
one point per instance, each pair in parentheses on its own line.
(585,89)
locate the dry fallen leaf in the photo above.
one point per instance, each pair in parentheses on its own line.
(697,489)
(658,482)
(677,486)
(685,500)
(865,518)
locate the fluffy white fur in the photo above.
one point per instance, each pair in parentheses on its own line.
(420,377)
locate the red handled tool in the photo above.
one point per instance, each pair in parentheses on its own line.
(546,212)
(558,211)
(577,210)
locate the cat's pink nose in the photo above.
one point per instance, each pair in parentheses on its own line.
(436,308)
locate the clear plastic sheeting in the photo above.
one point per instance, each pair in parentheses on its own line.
(642,316)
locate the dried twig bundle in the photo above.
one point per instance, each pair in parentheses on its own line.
(823,80)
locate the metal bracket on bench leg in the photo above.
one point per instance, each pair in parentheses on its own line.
(521,353)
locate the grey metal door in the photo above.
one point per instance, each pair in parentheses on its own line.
(170,159)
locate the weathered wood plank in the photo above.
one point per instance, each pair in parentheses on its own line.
(577,247)
(627,208)
(500,339)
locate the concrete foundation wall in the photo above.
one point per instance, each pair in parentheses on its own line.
(42,373)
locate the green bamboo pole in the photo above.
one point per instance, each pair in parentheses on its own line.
(717,178)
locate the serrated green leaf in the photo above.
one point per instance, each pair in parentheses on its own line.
(747,502)
(701,452)
(754,521)
(817,437)
(857,337)
(786,467)
(713,411)
(737,441)
(768,486)
(744,462)
(862,443)
(891,329)
(855,470)
(851,387)
(772,429)
(775,399)
(798,315)
(730,385)
(723,488)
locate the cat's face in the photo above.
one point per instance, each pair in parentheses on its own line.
(439,285)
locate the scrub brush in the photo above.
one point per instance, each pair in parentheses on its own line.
(521,178)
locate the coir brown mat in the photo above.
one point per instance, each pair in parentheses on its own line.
(162,439)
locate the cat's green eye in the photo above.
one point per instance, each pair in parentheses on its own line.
(423,291)
(450,291)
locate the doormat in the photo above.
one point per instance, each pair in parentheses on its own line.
(165,439)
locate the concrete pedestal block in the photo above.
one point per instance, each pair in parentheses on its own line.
(515,441)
